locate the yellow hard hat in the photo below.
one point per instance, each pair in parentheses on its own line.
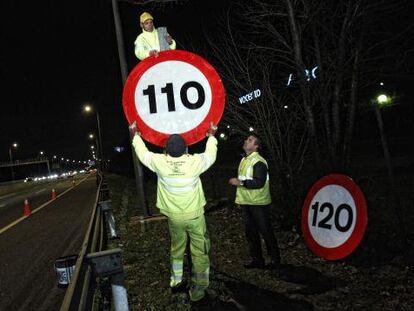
(144,16)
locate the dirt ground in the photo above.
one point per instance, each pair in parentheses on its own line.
(378,276)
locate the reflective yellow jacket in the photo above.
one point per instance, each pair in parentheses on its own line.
(245,196)
(180,193)
(148,41)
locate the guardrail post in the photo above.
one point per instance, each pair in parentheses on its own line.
(109,264)
(106,208)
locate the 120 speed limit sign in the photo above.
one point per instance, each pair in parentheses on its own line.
(176,92)
(334,217)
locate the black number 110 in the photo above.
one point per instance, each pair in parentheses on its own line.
(168,89)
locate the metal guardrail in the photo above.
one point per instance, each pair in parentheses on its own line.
(93,264)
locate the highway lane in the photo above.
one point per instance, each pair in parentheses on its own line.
(29,249)
(11,204)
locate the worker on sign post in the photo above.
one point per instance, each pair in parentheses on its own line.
(148,42)
(180,197)
(253,196)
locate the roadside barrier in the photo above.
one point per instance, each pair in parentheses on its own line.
(96,268)
(26,208)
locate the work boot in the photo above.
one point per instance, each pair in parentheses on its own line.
(179,288)
(254,264)
(202,304)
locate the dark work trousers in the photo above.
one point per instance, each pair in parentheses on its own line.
(257,220)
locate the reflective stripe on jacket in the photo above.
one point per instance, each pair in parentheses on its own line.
(180,193)
(148,41)
(247,196)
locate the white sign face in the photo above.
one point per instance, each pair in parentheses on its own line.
(332,216)
(173,97)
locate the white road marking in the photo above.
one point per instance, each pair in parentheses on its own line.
(7,195)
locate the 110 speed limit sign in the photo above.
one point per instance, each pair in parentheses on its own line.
(334,217)
(176,92)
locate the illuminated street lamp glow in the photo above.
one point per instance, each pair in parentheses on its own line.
(91,136)
(251,129)
(381,83)
(87,108)
(92,147)
(15,145)
(222,135)
(41,153)
(383,100)
(63,159)
(286,106)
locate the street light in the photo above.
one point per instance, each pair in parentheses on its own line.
(88,109)
(12,146)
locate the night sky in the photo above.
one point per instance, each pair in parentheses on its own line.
(58,55)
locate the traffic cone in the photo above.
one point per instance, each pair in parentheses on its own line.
(26,208)
(53,194)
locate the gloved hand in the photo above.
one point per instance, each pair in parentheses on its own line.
(212,130)
(133,130)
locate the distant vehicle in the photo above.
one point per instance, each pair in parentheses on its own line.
(27,179)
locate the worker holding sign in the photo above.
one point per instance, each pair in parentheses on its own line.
(148,42)
(180,197)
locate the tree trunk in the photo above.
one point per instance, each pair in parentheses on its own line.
(299,68)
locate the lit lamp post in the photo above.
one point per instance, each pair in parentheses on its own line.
(12,146)
(381,101)
(89,109)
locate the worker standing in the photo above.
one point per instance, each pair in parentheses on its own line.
(147,43)
(253,195)
(180,197)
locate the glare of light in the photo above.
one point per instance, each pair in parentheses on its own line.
(383,99)
(67,160)
(381,83)
(91,136)
(222,135)
(15,145)
(251,129)
(63,159)
(73,161)
(87,108)
(54,157)
(285,106)
(228,126)
(92,147)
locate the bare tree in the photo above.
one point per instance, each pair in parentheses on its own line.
(265,40)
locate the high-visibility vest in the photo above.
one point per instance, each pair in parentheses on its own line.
(246,196)
(180,194)
(148,41)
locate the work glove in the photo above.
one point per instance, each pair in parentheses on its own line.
(133,130)
(212,130)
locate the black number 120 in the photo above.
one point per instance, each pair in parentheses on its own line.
(323,222)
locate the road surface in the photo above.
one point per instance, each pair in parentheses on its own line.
(29,249)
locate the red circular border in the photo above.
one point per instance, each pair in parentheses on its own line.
(217,91)
(361,220)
